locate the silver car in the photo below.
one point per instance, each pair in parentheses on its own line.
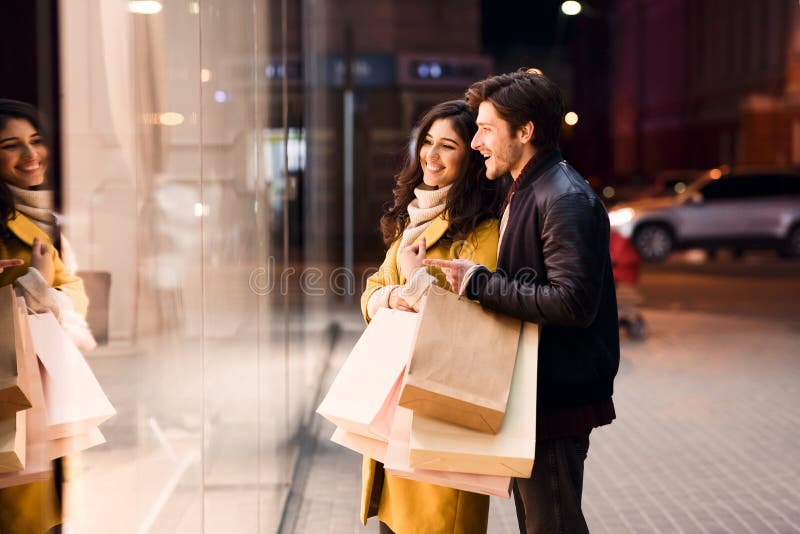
(739,210)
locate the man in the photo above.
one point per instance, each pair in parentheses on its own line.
(553,269)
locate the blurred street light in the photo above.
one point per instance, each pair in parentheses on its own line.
(571,8)
(170,118)
(144,7)
(571,118)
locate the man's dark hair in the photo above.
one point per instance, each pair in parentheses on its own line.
(522,96)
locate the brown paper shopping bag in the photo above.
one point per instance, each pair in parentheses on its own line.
(12,442)
(363,395)
(13,386)
(447,447)
(75,402)
(396,462)
(462,363)
(37,446)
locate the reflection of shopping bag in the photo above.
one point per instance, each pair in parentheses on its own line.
(360,397)
(37,455)
(462,364)
(12,442)
(74,399)
(447,447)
(72,444)
(13,384)
(396,463)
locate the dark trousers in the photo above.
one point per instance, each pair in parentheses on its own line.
(550,501)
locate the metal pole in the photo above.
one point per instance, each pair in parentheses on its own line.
(349,113)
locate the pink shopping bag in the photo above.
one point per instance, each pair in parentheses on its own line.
(397,456)
(75,402)
(371,448)
(362,397)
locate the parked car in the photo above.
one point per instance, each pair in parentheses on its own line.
(673,182)
(737,210)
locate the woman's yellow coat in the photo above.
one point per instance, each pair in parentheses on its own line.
(406,506)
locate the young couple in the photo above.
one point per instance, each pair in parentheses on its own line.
(443,229)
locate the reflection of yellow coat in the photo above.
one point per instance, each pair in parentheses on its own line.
(19,246)
(414,507)
(34,508)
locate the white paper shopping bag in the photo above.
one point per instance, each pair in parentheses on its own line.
(74,399)
(363,396)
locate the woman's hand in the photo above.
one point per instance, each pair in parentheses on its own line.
(397,302)
(42,260)
(4,264)
(409,259)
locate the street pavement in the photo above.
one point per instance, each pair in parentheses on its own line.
(705,440)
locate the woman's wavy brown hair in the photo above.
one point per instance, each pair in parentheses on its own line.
(14,109)
(472,198)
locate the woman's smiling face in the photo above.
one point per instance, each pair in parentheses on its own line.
(23,154)
(442,155)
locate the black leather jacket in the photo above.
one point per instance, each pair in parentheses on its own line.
(554,269)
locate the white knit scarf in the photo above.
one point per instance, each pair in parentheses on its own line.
(428,205)
(37,206)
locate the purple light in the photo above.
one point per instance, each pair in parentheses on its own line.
(220,96)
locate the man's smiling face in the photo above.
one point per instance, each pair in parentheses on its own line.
(500,146)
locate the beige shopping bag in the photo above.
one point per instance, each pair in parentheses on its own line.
(12,442)
(462,363)
(363,395)
(75,402)
(396,462)
(13,387)
(37,453)
(447,447)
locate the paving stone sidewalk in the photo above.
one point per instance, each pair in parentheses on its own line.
(705,441)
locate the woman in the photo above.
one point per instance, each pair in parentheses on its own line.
(27,230)
(443,208)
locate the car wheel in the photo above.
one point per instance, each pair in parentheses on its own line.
(791,246)
(653,242)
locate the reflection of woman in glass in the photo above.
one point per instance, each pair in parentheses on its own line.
(443,208)
(27,230)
